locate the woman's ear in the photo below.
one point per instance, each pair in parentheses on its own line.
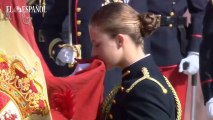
(120,38)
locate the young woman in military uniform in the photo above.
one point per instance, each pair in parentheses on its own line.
(117,33)
(81,11)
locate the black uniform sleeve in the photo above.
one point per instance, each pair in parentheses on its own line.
(51,29)
(52,25)
(197,11)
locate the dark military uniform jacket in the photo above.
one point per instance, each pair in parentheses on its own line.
(81,11)
(206,54)
(169,42)
(144,94)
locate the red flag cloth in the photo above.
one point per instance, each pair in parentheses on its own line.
(77,97)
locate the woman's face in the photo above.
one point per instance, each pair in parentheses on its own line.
(105,48)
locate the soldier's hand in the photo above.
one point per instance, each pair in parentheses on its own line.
(209,107)
(65,55)
(193,60)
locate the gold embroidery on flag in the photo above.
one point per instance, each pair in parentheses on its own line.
(20,84)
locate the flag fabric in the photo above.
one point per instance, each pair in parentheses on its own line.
(23,92)
(77,97)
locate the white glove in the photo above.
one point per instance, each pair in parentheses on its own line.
(80,67)
(209,107)
(193,60)
(65,55)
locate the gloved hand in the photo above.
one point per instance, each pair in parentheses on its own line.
(80,67)
(209,106)
(65,55)
(193,60)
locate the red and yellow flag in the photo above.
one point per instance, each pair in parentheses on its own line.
(23,92)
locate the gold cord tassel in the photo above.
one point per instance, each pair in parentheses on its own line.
(178,104)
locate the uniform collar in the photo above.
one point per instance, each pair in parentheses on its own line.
(135,68)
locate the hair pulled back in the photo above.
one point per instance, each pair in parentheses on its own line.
(120,18)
